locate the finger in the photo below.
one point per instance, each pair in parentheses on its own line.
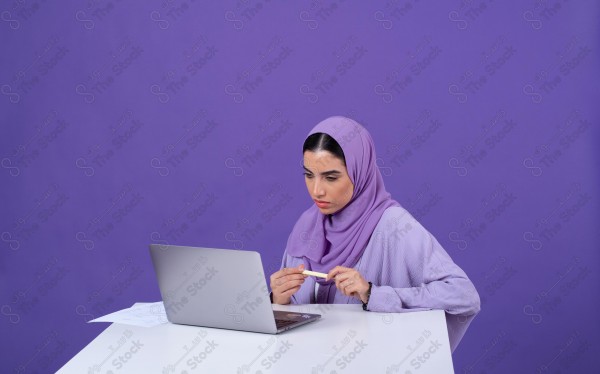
(346,290)
(338,282)
(335,271)
(341,278)
(284,272)
(294,276)
(348,286)
(346,275)
(351,274)
(277,282)
(340,286)
(290,292)
(288,278)
(356,289)
(354,286)
(285,282)
(291,284)
(296,270)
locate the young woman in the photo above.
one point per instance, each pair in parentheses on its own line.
(373,251)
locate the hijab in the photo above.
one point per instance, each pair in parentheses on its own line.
(326,241)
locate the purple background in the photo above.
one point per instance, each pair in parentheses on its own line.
(126,123)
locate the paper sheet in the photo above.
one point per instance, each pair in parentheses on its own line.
(140,314)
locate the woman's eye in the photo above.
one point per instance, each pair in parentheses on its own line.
(307,175)
(331,179)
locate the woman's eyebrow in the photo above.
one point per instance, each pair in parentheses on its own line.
(325,173)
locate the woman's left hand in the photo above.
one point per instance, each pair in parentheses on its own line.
(349,282)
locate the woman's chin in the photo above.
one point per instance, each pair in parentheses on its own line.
(327,211)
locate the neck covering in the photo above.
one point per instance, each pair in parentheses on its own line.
(326,241)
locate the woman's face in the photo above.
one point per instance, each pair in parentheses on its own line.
(327,181)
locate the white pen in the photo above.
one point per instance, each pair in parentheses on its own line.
(314,274)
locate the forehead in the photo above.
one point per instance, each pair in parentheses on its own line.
(322,160)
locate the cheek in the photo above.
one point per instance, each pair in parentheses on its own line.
(308,184)
(348,191)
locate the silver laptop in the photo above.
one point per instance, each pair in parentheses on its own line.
(222,288)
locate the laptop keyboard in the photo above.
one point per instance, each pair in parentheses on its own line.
(281,323)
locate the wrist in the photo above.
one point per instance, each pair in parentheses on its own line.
(280,301)
(365,301)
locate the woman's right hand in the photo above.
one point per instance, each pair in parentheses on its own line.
(286,282)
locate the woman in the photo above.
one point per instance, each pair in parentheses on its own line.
(373,251)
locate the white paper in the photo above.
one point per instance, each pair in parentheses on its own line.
(140,314)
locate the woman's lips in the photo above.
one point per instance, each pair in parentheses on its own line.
(322,204)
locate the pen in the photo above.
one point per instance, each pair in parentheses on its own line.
(314,274)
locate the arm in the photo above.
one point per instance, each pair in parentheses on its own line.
(438,282)
(301,296)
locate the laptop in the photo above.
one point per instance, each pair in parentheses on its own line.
(221,288)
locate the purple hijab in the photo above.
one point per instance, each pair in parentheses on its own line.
(326,243)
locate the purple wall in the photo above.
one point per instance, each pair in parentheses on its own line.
(182,121)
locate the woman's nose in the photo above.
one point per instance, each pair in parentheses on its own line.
(317,189)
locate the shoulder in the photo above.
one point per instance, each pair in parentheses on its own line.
(398,225)
(396,217)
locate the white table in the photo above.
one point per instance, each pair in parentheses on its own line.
(345,340)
